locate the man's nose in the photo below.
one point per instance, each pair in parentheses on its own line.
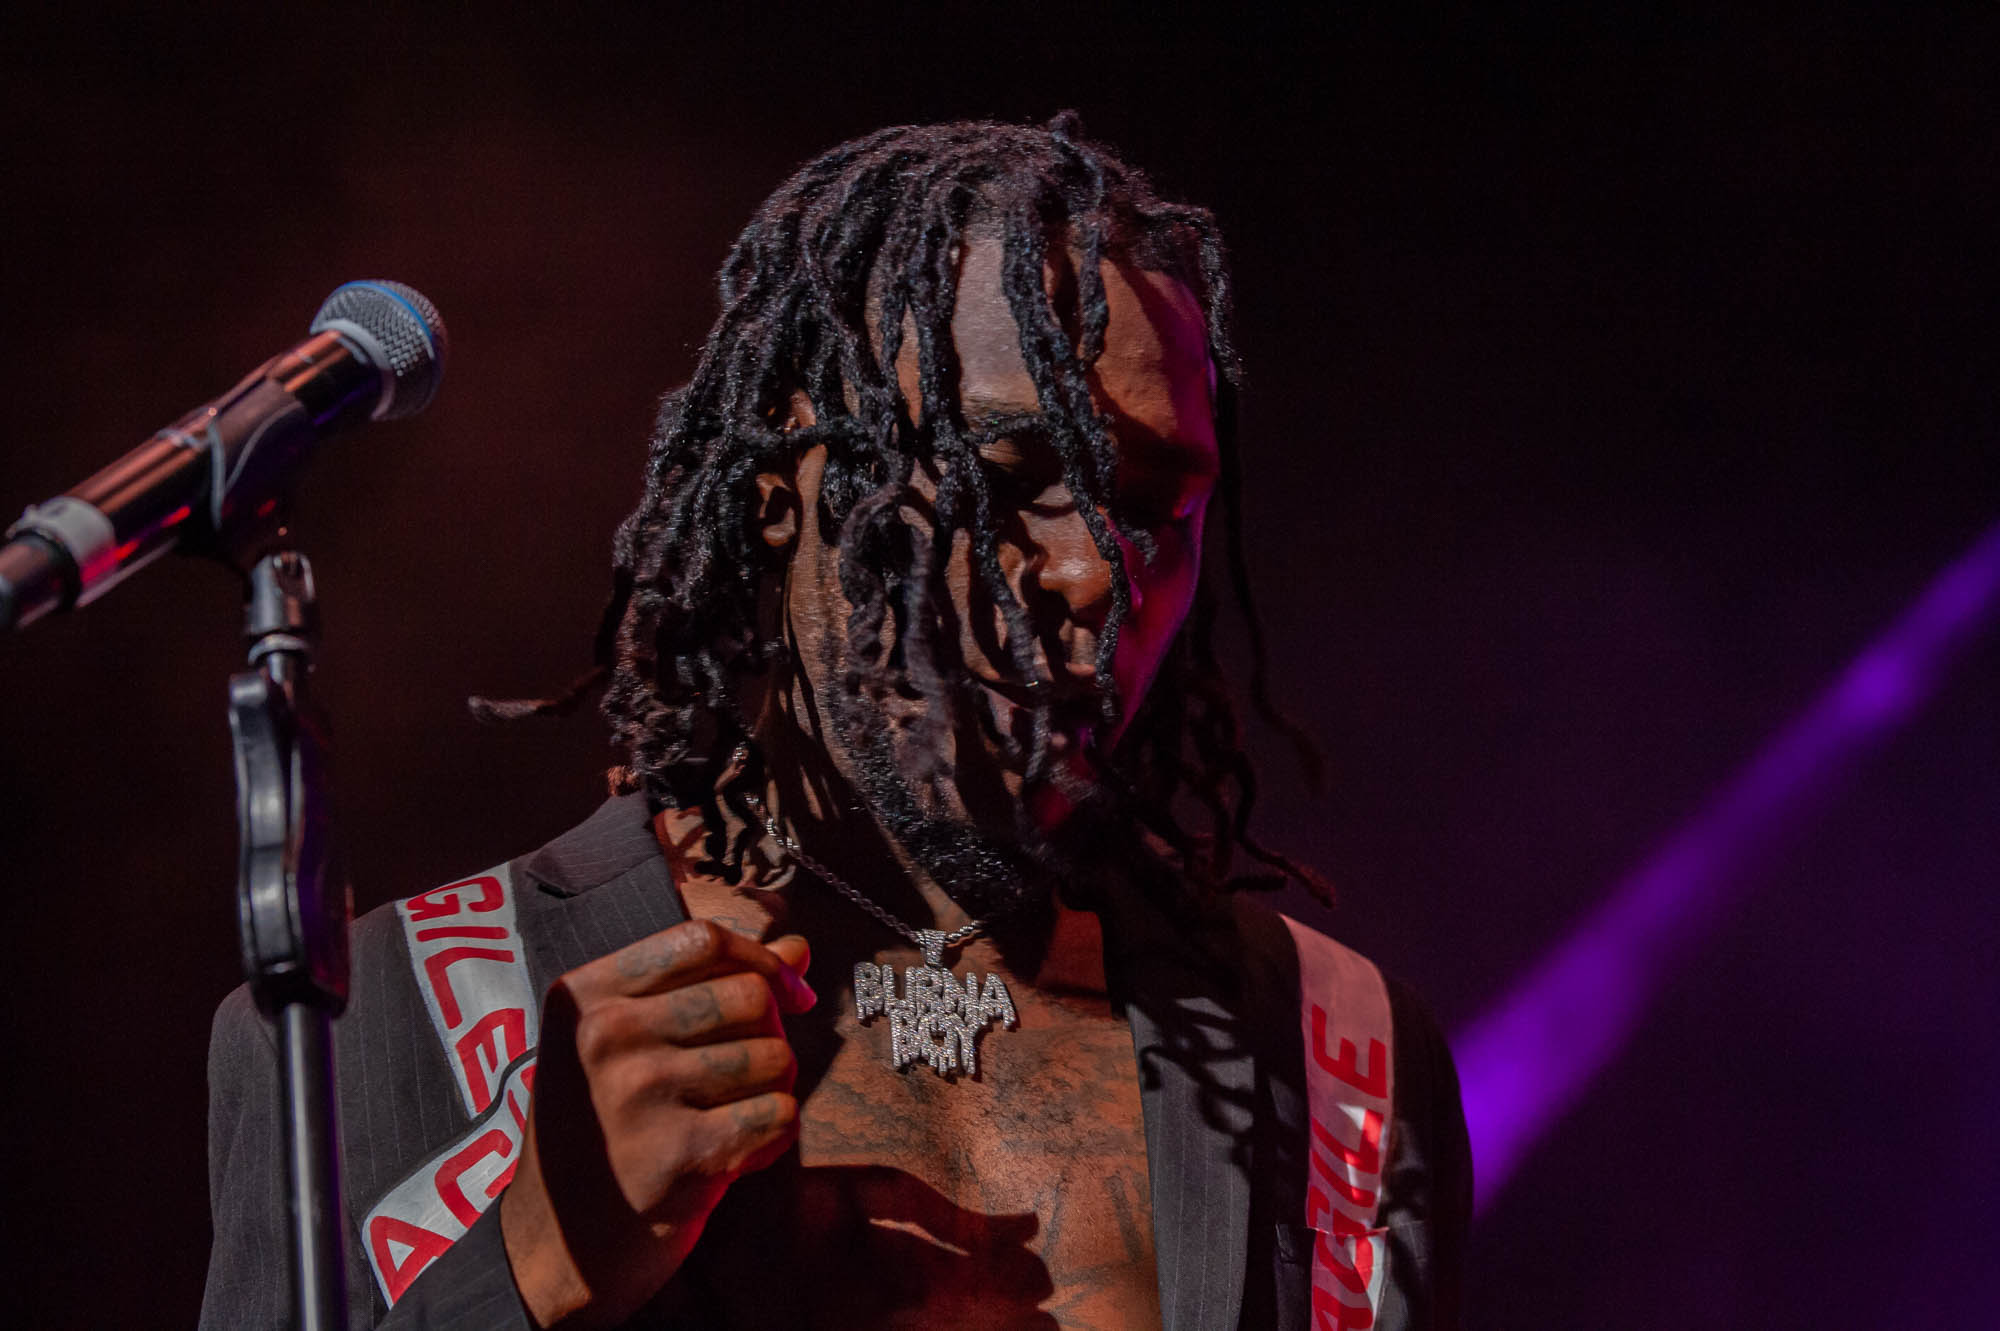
(1065,562)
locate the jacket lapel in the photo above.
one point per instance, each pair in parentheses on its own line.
(1197,1085)
(594,889)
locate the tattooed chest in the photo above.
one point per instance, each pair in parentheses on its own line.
(972,1150)
(1021,1199)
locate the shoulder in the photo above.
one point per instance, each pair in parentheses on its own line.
(1332,1002)
(1322,992)
(1308,964)
(1289,961)
(589,891)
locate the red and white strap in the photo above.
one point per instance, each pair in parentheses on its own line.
(473,973)
(1345,1022)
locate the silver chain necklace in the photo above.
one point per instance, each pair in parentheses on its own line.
(939,1017)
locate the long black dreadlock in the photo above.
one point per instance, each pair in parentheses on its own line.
(815,298)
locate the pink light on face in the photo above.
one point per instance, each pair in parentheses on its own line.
(1526,1061)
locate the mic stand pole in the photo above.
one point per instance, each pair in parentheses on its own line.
(292,912)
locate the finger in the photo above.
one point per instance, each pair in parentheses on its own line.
(728,1007)
(685,954)
(748,1134)
(720,1074)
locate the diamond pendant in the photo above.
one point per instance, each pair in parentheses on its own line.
(938,1018)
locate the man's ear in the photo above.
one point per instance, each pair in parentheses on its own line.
(777,517)
(778,505)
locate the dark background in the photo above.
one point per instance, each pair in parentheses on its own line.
(1614,380)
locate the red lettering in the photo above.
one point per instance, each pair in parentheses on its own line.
(1366,1157)
(1342,1266)
(1347,1066)
(1349,1278)
(510,1024)
(1362,1198)
(438,963)
(424,1245)
(463,931)
(1359,1185)
(1351,1264)
(514,1108)
(491,1142)
(1333,1315)
(442,901)
(1319,1204)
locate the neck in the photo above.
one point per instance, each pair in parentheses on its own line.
(847,845)
(815,806)
(1057,949)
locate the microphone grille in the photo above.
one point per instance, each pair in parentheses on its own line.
(401,331)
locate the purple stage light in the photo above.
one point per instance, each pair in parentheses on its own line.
(1525,1062)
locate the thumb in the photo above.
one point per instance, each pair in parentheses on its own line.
(796,954)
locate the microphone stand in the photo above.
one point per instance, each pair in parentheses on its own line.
(292,913)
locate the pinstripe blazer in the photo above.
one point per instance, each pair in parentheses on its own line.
(1214,1017)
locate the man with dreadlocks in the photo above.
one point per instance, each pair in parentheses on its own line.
(910,654)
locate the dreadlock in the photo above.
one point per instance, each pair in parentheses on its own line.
(816,295)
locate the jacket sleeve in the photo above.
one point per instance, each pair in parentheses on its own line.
(469,1288)
(249,1266)
(1428,1196)
(249,1281)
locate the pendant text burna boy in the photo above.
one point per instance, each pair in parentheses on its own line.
(938,1018)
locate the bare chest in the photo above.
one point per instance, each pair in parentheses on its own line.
(1015,1197)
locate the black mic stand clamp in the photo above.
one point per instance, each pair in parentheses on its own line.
(292,912)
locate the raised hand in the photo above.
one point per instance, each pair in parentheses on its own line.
(664,1076)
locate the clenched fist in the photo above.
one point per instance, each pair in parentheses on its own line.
(664,1076)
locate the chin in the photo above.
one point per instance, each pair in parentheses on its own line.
(974,821)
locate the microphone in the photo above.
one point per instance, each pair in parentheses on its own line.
(376,352)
